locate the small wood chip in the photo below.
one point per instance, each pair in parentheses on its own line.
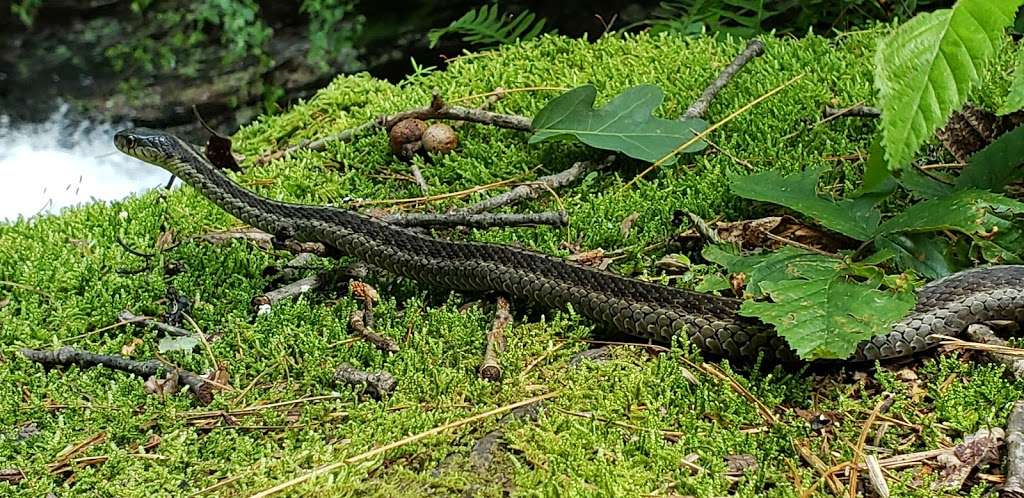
(375,384)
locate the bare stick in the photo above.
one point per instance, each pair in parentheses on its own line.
(983,334)
(68,356)
(700,106)
(876,477)
(263,240)
(855,111)
(422,182)
(543,184)
(375,384)
(142,321)
(358,324)
(262,304)
(436,110)
(482,220)
(1014,485)
(490,368)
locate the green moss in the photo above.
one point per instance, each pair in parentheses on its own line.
(80,279)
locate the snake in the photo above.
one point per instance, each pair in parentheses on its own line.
(656,312)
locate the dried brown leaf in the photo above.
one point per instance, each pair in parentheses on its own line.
(627,224)
(129,349)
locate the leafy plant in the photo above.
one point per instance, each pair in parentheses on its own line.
(624,124)
(1015,100)
(822,306)
(744,18)
(488,26)
(332,28)
(926,68)
(825,306)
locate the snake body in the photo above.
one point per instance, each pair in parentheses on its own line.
(644,309)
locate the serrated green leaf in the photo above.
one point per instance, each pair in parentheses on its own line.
(1015,99)
(997,165)
(177,343)
(785,263)
(855,218)
(922,185)
(924,253)
(828,315)
(924,70)
(624,124)
(964,211)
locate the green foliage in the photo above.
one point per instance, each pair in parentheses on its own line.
(998,164)
(25,10)
(1015,100)
(855,218)
(749,18)
(925,69)
(332,28)
(489,26)
(288,355)
(822,306)
(745,18)
(624,124)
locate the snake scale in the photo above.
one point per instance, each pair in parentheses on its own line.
(644,309)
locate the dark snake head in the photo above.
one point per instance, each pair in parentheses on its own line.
(152,146)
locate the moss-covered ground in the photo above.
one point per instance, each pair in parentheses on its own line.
(624,427)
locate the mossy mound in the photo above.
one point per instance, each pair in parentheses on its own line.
(618,428)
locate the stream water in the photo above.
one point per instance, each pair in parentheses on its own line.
(65,162)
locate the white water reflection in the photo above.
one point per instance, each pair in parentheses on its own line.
(59,163)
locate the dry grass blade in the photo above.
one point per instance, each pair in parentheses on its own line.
(858,452)
(762,409)
(712,128)
(319,471)
(954,343)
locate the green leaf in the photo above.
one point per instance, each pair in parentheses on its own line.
(997,165)
(1015,99)
(768,267)
(924,253)
(924,70)
(922,185)
(827,315)
(965,211)
(855,218)
(624,124)
(878,180)
(177,343)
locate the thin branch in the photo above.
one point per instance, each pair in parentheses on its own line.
(543,184)
(490,367)
(263,304)
(357,322)
(375,384)
(144,321)
(438,109)
(483,220)
(422,182)
(1014,485)
(854,111)
(68,356)
(700,106)
(983,334)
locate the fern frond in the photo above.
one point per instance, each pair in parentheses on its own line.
(488,26)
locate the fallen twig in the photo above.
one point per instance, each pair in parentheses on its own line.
(145,321)
(68,356)
(854,111)
(437,109)
(482,220)
(1014,486)
(876,477)
(753,49)
(264,241)
(490,367)
(420,181)
(1000,351)
(543,184)
(263,303)
(358,324)
(375,384)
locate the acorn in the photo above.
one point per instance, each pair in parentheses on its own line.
(440,138)
(405,137)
